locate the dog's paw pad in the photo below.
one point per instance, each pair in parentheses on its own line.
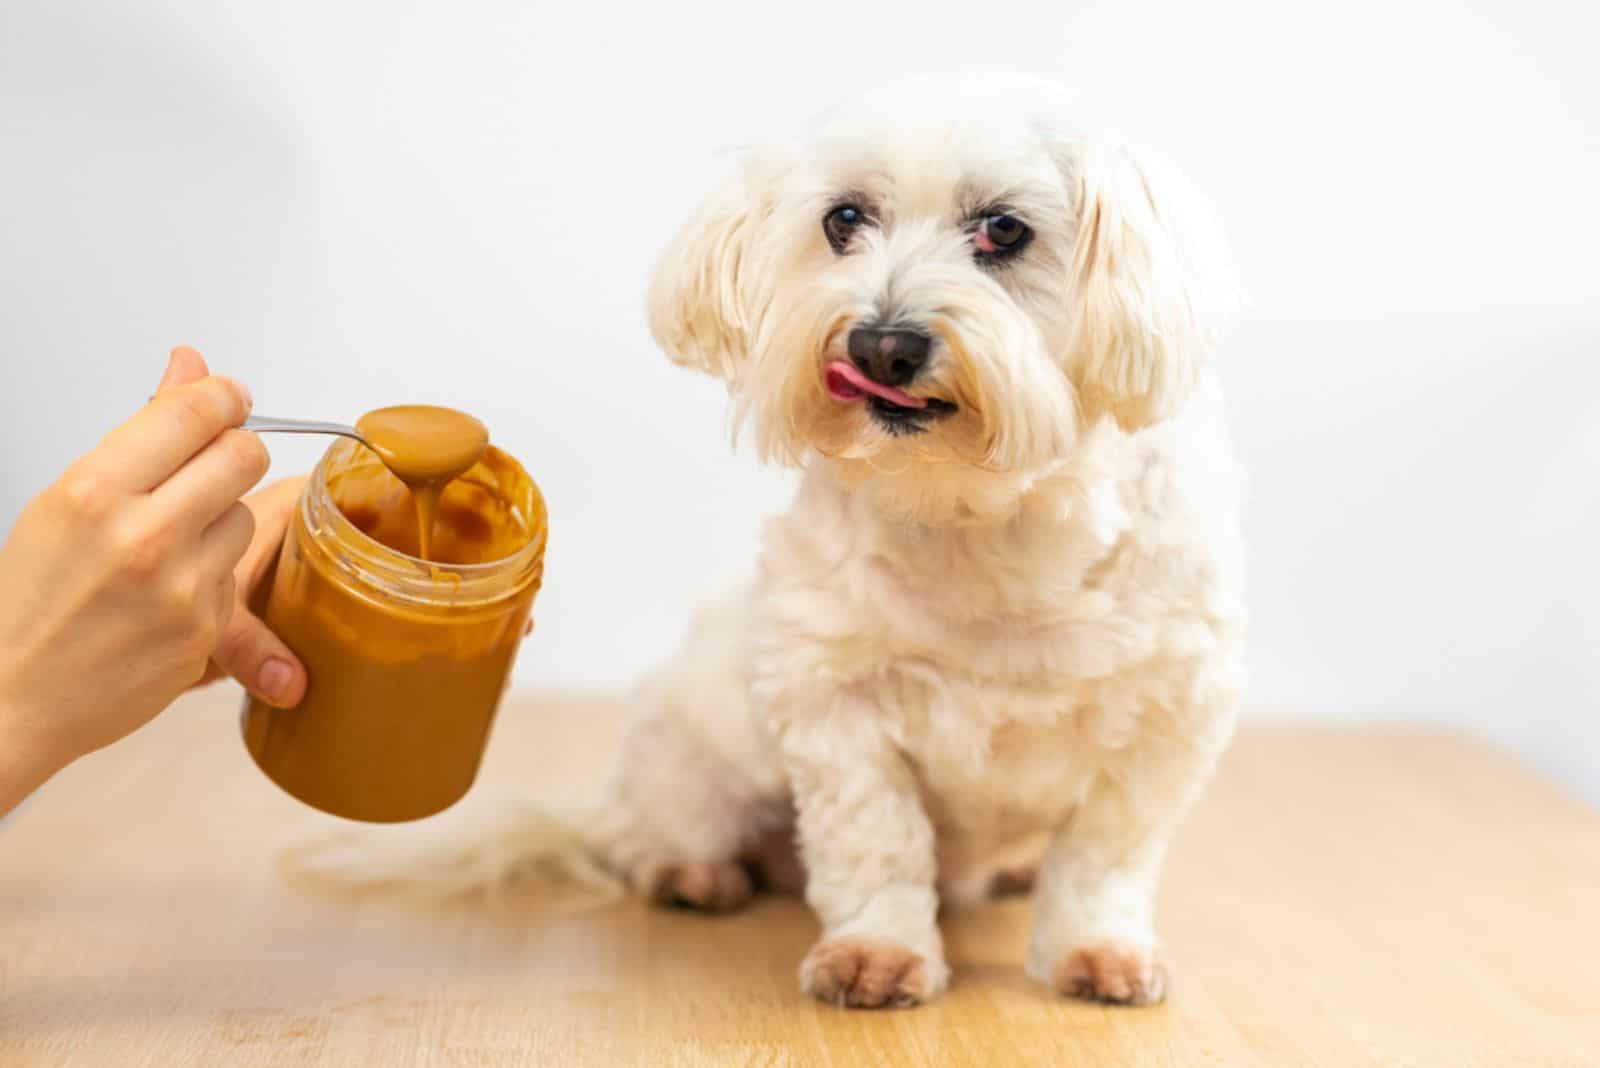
(708,885)
(864,973)
(1013,882)
(1114,973)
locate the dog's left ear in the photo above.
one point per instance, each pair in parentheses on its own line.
(1146,290)
(700,311)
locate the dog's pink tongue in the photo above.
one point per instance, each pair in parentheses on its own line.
(847,383)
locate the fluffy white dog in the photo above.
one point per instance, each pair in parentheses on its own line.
(999,632)
(996,641)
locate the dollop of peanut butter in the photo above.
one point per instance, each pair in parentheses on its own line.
(427,448)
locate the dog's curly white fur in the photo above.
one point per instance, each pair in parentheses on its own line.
(1012,640)
(997,647)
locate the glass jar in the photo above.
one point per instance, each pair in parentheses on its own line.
(406,659)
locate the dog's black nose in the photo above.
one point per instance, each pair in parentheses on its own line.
(892,357)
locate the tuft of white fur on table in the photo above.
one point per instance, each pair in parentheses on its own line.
(526,859)
(995,642)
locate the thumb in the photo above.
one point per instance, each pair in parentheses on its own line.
(260,661)
(184,365)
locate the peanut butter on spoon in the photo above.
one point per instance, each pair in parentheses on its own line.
(427,448)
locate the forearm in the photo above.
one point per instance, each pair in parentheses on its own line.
(870,863)
(867,842)
(27,761)
(869,853)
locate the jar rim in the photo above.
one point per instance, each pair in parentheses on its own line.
(409,578)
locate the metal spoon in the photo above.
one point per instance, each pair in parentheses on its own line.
(269,425)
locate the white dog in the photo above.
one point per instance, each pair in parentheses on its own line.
(1000,629)
(999,632)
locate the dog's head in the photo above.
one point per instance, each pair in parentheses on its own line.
(966,271)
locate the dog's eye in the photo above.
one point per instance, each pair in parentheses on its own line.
(1001,235)
(840,223)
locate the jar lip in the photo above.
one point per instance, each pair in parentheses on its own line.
(410,578)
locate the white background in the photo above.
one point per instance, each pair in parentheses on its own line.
(357,204)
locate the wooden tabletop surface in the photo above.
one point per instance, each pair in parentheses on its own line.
(1338,899)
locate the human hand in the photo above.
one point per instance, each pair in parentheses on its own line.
(247,650)
(119,580)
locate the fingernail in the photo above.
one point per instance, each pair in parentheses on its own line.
(249,398)
(275,679)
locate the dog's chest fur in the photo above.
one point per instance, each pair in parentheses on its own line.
(1012,662)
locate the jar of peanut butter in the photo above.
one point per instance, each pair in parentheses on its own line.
(407,659)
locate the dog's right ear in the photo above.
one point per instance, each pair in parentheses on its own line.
(700,311)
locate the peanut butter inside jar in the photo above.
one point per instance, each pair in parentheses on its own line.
(407,658)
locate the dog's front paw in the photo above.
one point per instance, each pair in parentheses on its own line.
(868,973)
(1115,972)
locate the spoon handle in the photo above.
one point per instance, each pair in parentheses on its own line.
(268,424)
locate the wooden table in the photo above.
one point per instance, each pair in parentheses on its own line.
(1339,899)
